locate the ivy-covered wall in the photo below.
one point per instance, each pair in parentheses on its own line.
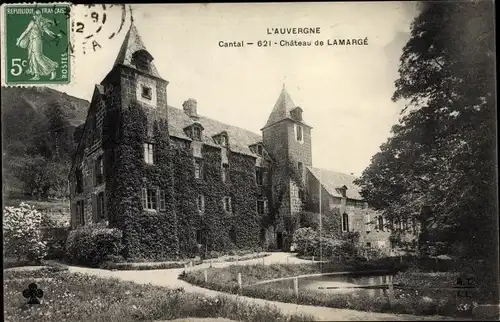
(214,221)
(146,233)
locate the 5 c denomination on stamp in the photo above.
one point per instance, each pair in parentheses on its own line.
(36,40)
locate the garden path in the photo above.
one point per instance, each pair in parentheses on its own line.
(169,278)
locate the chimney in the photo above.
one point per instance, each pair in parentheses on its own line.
(189,107)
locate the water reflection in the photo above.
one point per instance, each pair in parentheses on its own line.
(373,286)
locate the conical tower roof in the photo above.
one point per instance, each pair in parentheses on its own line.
(131,44)
(284,105)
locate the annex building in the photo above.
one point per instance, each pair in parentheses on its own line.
(174,181)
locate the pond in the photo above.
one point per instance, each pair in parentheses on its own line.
(361,284)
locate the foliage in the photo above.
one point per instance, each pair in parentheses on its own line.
(168,234)
(22,233)
(43,272)
(309,243)
(81,297)
(38,123)
(441,160)
(309,219)
(92,245)
(42,178)
(55,238)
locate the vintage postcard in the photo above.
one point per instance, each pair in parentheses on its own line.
(249,162)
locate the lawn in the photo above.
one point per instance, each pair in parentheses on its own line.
(79,297)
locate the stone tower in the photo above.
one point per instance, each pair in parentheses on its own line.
(288,139)
(141,193)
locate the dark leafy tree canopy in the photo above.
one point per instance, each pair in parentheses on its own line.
(442,153)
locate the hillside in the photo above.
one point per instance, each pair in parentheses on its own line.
(37,124)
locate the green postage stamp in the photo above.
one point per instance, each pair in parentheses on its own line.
(36,40)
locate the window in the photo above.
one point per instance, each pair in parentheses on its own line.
(296,113)
(345,222)
(141,59)
(298,133)
(80,213)
(223,140)
(227,204)
(300,166)
(259,176)
(198,168)
(232,235)
(101,210)
(261,207)
(368,244)
(405,224)
(79,181)
(148,153)
(225,172)
(414,225)
(151,198)
(99,170)
(380,221)
(200,237)
(146,92)
(368,223)
(200,203)
(163,205)
(301,194)
(196,133)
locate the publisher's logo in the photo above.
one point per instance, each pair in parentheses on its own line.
(33,294)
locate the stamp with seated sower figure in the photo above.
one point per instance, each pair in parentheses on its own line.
(37,43)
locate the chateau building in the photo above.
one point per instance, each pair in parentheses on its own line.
(174,181)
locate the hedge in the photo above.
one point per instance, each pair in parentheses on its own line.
(91,246)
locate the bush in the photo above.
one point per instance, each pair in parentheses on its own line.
(22,233)
(309,243)
(55,238)
(92,246)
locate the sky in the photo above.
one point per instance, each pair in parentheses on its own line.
(344,91)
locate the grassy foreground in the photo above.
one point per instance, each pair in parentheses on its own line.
(79,297)
(408,301)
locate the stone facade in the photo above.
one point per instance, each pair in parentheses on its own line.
(177,183)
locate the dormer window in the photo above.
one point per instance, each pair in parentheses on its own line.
(194,131)
(222,140)
(259,149)
(146,92)
(297,114)
(343,191)
(142,60)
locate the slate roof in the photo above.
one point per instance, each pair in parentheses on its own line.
(332,180)
(130,45)
(281,110)
(239,139)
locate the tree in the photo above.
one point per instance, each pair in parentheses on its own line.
(22,233)
(442,152)
(42,178)
(441,156)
